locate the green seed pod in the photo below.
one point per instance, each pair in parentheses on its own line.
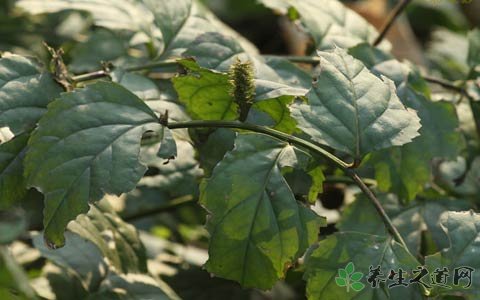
(242,86)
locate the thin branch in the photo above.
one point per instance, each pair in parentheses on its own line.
(105,73)
(348,180)
(445,84)
(172,204)
(306,145)
(397,10)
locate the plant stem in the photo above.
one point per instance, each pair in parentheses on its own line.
(261,129)
(312,60)
(446,84)
(348,180)
(390,20)
(105,73)
(172,204)
(378,206)
(307,145)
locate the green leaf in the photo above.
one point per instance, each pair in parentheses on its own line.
(12,183)
(369,55)
(340,281)
(357,286)
(363,250)
(463,230)
(356,276)
(179,176)
(101,45)
(25,91)
(132,286)
(142,86)
(450,61)
(117,240)
(14,282)
(342,273)
(454,176)
(167,26)
(275,77)
(349,268)
(79,256)
(94,152)
(473,58)
(278,112)
(257,228)
(205,93)
(13,223)
(350,115)
(328,22)
(277,82)
(405,170)
(412,221)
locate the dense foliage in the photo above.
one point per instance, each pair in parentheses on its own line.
(138,121)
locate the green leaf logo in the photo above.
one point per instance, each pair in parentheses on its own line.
(349,278)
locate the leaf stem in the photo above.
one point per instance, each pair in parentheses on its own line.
(397,10)
(105,73)
(303,144)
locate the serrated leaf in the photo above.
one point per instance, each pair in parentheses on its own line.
(257,228)
(205,93)
(352,110)
(363,250)
(94,152)
(12,183)
(277,82)
(274,77)
(405,170)
(463,230)
(413,220)
(25,91)
(117,240)
(328,22)
(168,26)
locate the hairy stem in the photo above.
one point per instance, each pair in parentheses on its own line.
(306,145)
(397,10)
(105,73)
(265,130)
